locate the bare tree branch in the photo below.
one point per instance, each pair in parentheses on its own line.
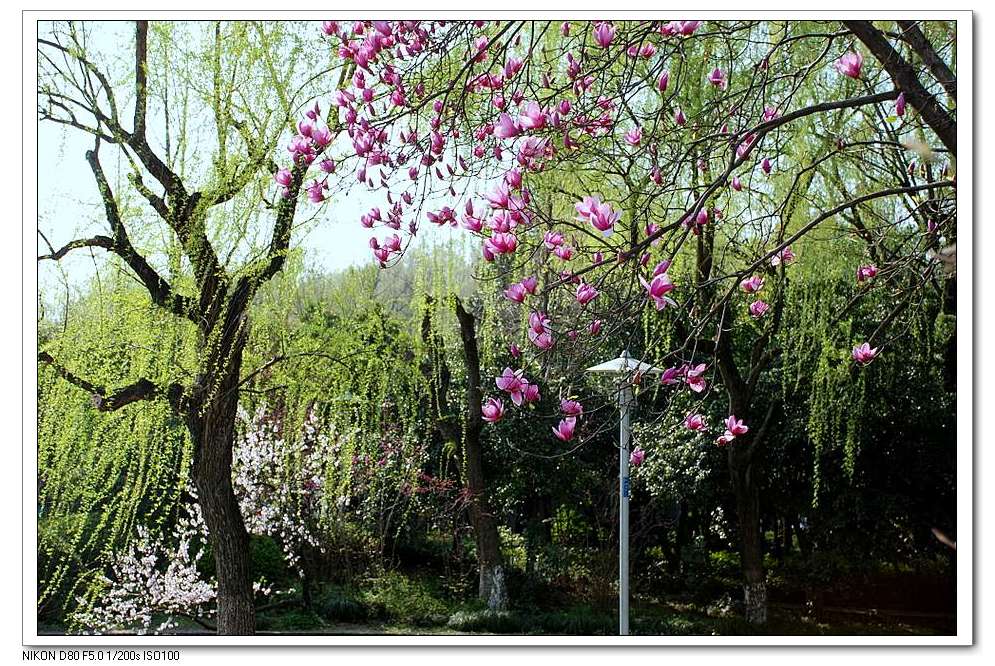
(904,76)
(914,37)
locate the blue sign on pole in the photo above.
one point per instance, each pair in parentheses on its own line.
(625,486)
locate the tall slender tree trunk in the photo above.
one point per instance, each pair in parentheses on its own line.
(493,587)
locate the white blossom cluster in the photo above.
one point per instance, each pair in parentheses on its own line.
(278,482)
(153,584)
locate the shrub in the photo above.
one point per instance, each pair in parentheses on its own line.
(338,605)
(488,621)
(397,597)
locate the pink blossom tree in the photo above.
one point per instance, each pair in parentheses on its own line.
(616,172)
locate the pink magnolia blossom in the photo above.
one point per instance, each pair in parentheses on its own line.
(516,293)
(695,422)
(538,322)
(743,149)
(752,285)
(542,340)
(532,117)
(571,407)
(283,177)
(663,81)
(679,118)
(492,410)
(687,28)
(601,215)
(672,376)
(514,383)
(849,64)
(586,293)
(736,184)
(900,105)
(695,378)
(864,354)
(765,165)
(658,288)
(316,191)
(865,273)
(785,255)
(604,33)
(530,284)
(506,128)
(661,268)
(758,309)
(564,252)
(634,136)
(565,430)
(718,78)
(595,327)
(637,457)
(736,426)
(501,243)
(539,332)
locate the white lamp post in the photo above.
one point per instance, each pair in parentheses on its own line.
(622,366)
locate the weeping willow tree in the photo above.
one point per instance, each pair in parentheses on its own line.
(102,473)
(193,116)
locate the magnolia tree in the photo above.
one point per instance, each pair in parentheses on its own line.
(633,176)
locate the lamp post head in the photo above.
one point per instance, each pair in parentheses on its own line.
(624,364)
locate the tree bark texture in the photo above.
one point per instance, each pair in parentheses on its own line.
(492,583)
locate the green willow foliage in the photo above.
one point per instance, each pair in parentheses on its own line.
(100,474)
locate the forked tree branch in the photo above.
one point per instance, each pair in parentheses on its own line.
(106,400)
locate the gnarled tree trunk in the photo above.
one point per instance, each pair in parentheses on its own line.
(211,416)
(212,426)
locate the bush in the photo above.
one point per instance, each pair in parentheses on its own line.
(396,597)
(488,621)
(340,606)
(581,621)
(267,560)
